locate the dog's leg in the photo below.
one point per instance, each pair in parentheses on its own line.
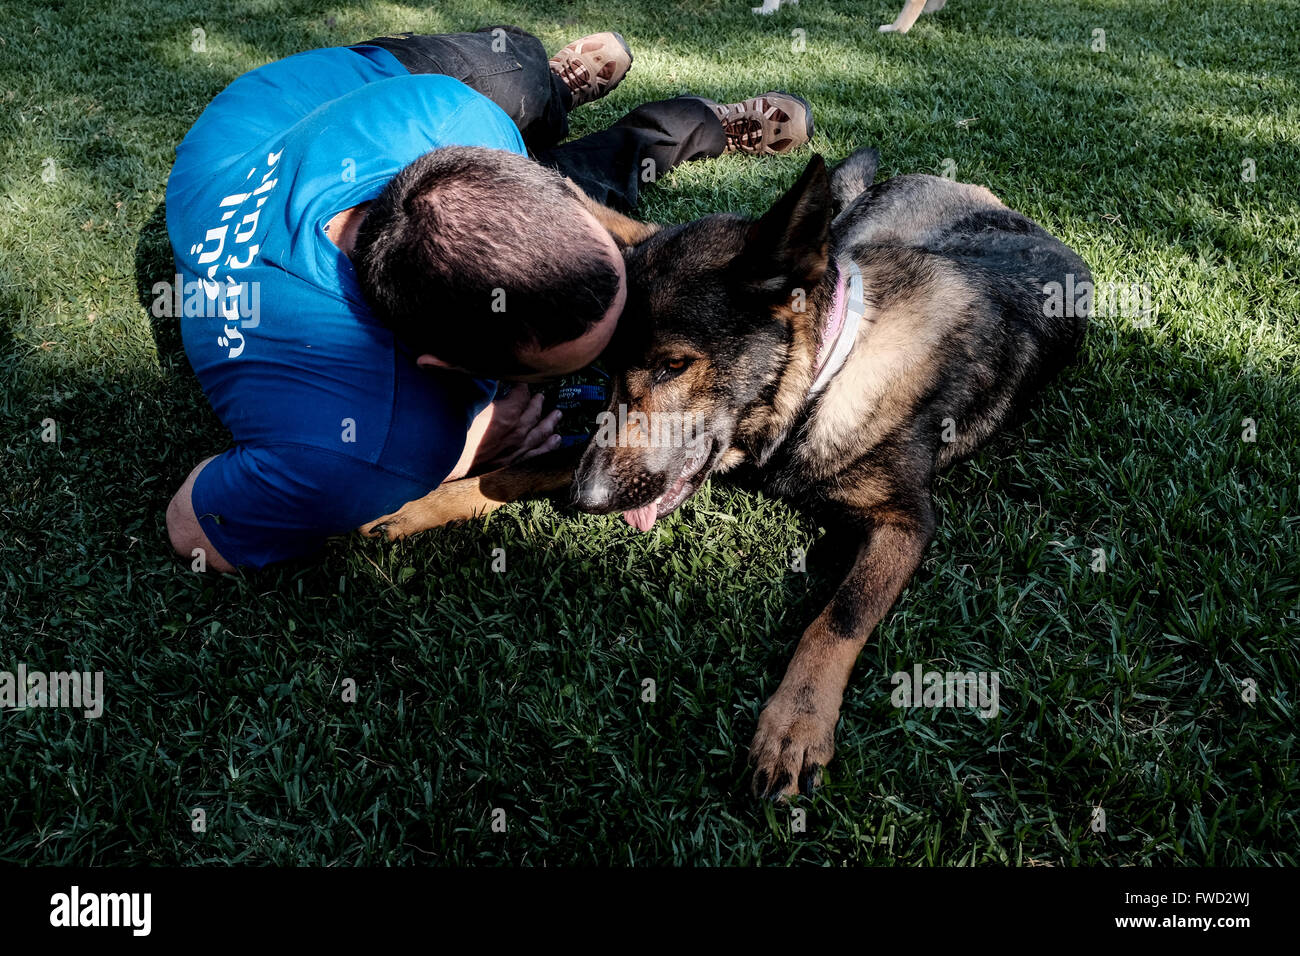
(796,731)
(769,6)
(906,17)
(474,497)
(625,230)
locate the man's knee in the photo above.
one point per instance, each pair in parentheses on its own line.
(178,530)
(185,533)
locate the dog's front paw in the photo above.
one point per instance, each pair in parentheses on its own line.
(793,743)
(390,527)
(437,508)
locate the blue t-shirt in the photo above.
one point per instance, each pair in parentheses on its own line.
(333,422)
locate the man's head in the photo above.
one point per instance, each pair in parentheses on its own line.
(485,261)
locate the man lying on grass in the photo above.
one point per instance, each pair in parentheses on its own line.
(378,249)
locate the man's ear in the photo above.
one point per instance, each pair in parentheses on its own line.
(788,247)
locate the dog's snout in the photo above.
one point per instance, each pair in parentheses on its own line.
(593,491)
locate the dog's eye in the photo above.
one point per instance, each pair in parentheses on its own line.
(671,369)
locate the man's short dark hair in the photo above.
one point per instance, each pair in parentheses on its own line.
(472,254)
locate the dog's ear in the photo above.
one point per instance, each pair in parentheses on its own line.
(854,176)
(787,248)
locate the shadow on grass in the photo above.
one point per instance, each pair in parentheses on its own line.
(154,264)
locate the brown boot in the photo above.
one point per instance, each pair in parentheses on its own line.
(592,66)
(775,122)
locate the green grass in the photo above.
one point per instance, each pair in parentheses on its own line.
(521,690)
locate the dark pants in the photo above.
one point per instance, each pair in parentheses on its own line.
(509,67)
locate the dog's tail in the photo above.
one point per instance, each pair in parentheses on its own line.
(851,178)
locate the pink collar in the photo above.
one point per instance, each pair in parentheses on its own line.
(831,333)
(847,309)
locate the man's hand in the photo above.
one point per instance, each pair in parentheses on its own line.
(510,429)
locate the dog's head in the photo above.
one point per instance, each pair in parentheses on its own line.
(717,326)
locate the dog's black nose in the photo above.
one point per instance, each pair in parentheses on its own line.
(593,492)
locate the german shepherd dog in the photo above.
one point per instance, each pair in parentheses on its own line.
(846,345)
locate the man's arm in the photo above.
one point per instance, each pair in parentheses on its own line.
(183,526)
(276,503)
(508,430)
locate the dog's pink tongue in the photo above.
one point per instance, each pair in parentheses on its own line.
(643,519)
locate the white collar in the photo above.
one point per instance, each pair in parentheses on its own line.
(841,329)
